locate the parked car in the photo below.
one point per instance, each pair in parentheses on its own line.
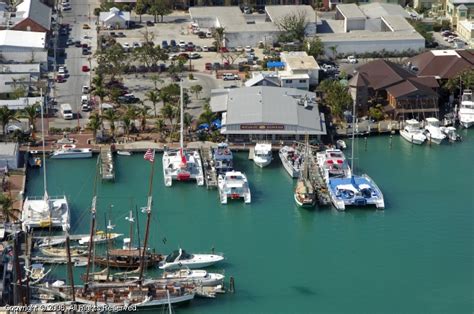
(208,34)
(205,48)
(216,66)
(208,66)
(85,51)
(247,10)
(69,42)
(352,59)
(164,44)
(62,70)
(182,44)
(86,26)
(201,35)
(77,44)
(173,43)
(248,49)
(126,46)
(135,45)
(113,34)
(128,99)
(120,34)
(212,48)
(224,49)
(230,77)
(149,23)
(85,68)
(60,79)
(198,48)
(85,89)
(194,55)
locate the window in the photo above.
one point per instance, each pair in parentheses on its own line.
(288,81)
(303,81)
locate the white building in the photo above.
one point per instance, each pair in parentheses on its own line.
(114,19)
(268,113)
(9,155)
(22,46)
(301,70)
(367,28)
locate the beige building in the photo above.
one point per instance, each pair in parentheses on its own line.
(458,10)
(465,29)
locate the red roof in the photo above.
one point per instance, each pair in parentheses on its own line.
(443,66)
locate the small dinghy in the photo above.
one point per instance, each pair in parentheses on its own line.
(124,153)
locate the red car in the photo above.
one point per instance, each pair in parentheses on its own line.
(224,49)
(85,68)
(209,66)
(60,79)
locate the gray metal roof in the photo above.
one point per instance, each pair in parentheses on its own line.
(397,23)
(274,105)
(276,12)
(8,149)
(350,11)
(37,11)
(376,10)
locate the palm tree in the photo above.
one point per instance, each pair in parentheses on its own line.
(334,51)
(207,116)
(100,92)
(111,116)
(165,96)
(7,206)
(127,123)
(196,89)
(95,122)
(168,112)
(187,121)
(6,115)
(142,112)
(154,97)
(218,35)
(31,113)
(160,127)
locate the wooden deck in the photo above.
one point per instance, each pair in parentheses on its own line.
(210,175)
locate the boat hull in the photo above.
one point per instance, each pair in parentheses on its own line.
(290,169)
(418,140)
(72,155)
(304,204)
(262,162)
(466,124)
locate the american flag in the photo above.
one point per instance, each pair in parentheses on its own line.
(149,155)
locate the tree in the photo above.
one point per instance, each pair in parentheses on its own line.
(156,78)
(231,57)
(314,47)
(140,8)
(113,60)
(161,8)
(293,26)
(464,80)
(207,116)
(111,116)
(31,113)
(218,34)
(142,113)
(196,90)
(100,92)
(160,127)
(154,97)
(336,96)
(114,94)
(334,51)
(7,206)
(6,116)
(168,112)
(187,121)
(126,123)
(95,122)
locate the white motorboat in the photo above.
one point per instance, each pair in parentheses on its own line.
(45,211)
(451,133)
(412,132)
(199,277)
(433,131)
(100,237)
(233,185)
(222,158)
(291,159)
(49,242)
(262,156)
(333,164)
(69,151)
(124,153)
(181,164)
(340,144)
(180,258)
(466,109)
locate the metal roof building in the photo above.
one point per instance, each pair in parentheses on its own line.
(9,155)
(270,113)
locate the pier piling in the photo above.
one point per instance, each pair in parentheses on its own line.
(232,284)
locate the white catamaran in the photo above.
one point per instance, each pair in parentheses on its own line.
(182,164)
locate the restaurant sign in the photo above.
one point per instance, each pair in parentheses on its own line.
(262,127)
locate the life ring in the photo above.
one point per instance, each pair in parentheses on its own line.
(226,151)
(69,146)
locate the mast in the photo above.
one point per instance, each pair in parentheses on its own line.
(69,266)
(107,238)
(91,236)
(353,135)
(148,218)
(181,118)
(131,220)
(44,149)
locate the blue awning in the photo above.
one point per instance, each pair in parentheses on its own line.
(275,64)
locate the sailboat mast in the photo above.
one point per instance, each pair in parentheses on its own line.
(353,134)
(181,118)
(131,220)
(69,266)
(148,218)
(43,144)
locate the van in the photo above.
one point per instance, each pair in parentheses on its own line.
(230,77)
(66,111)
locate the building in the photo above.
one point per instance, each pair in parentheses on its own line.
(426,4)
(301,67)
(465,30)
(401,93)
(114,19)
(443,64)
(32,16)
(23,46)
(263,79)
(9,155)
(268,113)
(14,76)
(458,10)
(368,28)
(244,29)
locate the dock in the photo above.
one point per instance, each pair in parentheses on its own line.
(210,175)
(107,169)
(251,152)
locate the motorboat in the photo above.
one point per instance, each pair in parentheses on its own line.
(466,109)
(433,131)
(222,158)
(355,191)
(124,153)
(182,164)
(180,258)
(62,252)
(451,133)
(45,212)
(48,242)
(332,163)
(340,144)
(199,277)
(69,151)
(100,237)
(412,132)
(262,155)
(233,185)
(291,159)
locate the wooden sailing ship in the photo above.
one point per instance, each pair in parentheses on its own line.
(128,259)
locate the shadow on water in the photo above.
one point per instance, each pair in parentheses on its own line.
(304,290)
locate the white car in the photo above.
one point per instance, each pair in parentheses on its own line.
(230,77)
(248,49)
(66,6)
(182,44)
(205,48)
(351,59)
(136,45)
(126,46)
(61,70)
(194,55)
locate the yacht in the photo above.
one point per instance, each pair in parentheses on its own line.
(262,154)
(233,185)
(433,131)
(332,163)
(355,191)
(305,195)
(181,164)
(222,158)
(412,132)
(69,151)
(291,159)
(200,277)
(466,110)
(100,237)
(180,258)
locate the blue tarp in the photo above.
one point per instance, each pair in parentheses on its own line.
(275,64)
(216,123)
(203,126)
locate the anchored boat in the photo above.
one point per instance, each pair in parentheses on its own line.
(412,132)
(466,109)
(180,258)
(69,151)
(222,158)
(263,154)
(292,160)
(433,131)
(233,185)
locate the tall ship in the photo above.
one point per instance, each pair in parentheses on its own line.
(223,159)
(182,164)
(292,160)
(263,154)
(45,211)
(305,195)
(412,132)
(466,109)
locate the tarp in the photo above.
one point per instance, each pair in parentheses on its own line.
(275,64)
(203,126)
(216,123)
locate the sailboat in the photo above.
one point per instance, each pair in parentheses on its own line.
(45,211)
(181,164)
(305,195)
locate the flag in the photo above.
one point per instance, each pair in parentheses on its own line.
(149,155)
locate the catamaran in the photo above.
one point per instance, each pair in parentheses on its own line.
(45,211)
(233,185)
(182,164)
(466,110)
(263,154)
(412,132)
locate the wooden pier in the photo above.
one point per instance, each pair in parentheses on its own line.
(251,152)
(107,169)
(210,175)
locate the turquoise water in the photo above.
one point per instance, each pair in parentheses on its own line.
(416,256)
